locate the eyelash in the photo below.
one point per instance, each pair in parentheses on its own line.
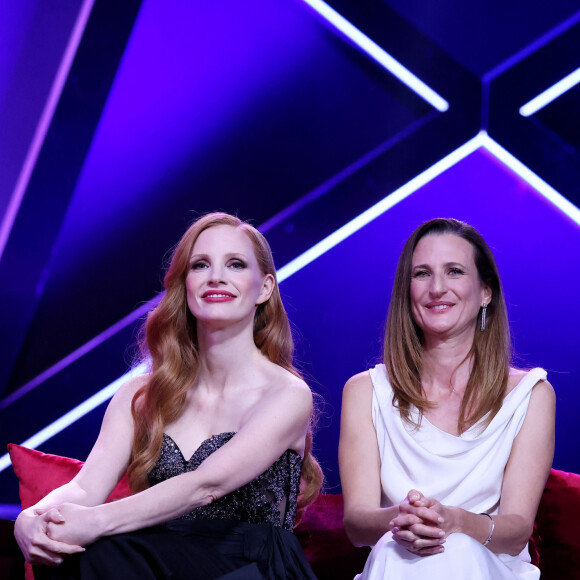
(235,264)
(452,271)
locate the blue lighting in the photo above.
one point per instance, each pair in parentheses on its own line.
(532,179)
(378,54)
(550,94)
(376,210)
(43,124)
(76,413)
(482,140)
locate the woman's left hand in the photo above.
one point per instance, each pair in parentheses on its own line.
(79,526)
(413,531)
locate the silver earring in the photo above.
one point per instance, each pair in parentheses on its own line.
(483,316)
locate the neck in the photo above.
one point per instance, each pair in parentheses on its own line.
(225,354)
(445,362)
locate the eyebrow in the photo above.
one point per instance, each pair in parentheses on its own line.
(228,256)
(447,265)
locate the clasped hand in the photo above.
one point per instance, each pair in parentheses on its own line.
(45,536)
(419,526)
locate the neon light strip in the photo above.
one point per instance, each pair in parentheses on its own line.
(481,140)
(80,352)
(282,274)
(381,207)
(373,50)
(567,207)
(75,414)
(534,46)
(550,94)
(44,123)
(345,173)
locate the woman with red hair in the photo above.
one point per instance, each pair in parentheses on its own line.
(216,438)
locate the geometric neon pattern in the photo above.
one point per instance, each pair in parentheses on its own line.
(482,140)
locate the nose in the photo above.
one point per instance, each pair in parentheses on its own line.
(437,286)
(217,275)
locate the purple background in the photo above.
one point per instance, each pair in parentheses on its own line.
(261,109)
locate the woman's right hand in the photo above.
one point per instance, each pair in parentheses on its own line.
(30,531)
(417,527)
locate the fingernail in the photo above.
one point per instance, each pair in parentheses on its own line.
(441,534)
(391,523)
(440,520)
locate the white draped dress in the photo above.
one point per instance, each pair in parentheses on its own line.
(465,471)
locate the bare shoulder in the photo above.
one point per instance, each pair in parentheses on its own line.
(127,390)
(358,384)
(543,393)
(286,388)
(357,396)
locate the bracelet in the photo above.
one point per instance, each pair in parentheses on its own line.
(491,530)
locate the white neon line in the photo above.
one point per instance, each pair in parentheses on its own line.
(382,206)
(44,123)
(556,198)
(80,352)
(282,274)
(550,94)
(76,413)
(378,54)
(481,140)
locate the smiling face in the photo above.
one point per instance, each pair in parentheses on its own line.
(446,292)
(224,283)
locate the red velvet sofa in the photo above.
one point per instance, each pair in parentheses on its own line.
(554,546)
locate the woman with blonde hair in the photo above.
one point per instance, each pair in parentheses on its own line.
(216,438)
(445,448)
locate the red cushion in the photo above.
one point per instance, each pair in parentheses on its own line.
(39,473)
(558,527)
(324,540)
(556,541)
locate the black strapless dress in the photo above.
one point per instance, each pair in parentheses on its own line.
(246,534)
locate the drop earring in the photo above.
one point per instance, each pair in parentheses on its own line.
(483,316)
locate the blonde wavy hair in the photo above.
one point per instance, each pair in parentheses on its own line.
(490,354)
(170,341)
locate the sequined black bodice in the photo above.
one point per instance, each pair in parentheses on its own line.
(269,499)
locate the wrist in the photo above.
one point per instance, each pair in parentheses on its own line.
(101,520)
(454,519)
(389,514)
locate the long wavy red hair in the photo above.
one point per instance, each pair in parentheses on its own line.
(170,342)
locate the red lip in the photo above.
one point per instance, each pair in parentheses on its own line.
(217,296)
(210,292)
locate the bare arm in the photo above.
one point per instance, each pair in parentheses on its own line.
(524,480)
(525,477)
(281,419)
(104,467)
(364,519)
